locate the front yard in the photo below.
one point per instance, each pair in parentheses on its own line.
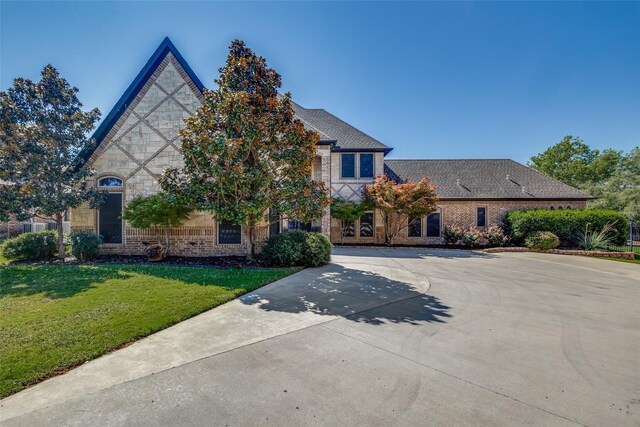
(55,317)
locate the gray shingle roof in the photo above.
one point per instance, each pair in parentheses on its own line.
(482,179)
(332,129)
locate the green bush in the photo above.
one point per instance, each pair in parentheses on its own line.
(566,224)
(472,238)
(31,246)
(84,245)
(316,250)
(542,240)
(296,248)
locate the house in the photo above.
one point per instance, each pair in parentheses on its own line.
(139,139)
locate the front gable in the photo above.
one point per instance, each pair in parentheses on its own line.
(139,137)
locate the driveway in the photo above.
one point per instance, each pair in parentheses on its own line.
(380,337)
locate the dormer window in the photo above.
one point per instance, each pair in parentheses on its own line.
(110,181)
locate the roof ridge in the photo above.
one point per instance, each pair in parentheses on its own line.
(451,160)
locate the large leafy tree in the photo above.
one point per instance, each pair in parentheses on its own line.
(400,202)
(42,130)
(244,152)
(621,192)
(575,163)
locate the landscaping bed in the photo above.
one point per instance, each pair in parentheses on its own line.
(56,317)
(603,254)
(216,262)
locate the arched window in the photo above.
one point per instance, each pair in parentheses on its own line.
(551,208)
(559,208)
(110,181)
(568,207)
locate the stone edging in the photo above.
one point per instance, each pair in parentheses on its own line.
(602,254)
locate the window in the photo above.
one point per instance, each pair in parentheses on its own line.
(229,233)
(298,225)
(366,224)
(274,222)
(415,227)
(481,217)
(366,165)
(363,163)
(348,165)
(433,225)
(348,228)
(110,218)
(110,182)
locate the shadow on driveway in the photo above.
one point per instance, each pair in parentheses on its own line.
(335,290)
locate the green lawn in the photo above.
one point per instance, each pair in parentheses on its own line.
(55,317)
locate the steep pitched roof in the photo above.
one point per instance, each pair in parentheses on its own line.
(342,135)
(134,88)
(482,179)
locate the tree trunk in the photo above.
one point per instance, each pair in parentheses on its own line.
(61,254)
(252,248)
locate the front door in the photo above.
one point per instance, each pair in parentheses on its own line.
(110,218)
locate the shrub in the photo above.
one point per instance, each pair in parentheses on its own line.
(452,235)
(566,224)
(472,238)
(542,240)
(495,236)
(31,246)
(284,250)
(593,240)
(84,245)
(316,250)
(294,248)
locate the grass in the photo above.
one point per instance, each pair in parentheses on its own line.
(55,317)
(636,259)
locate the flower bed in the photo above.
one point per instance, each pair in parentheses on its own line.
(601,254)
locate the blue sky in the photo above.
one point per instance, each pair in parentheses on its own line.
(432,80)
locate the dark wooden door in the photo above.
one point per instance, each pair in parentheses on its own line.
(110,218)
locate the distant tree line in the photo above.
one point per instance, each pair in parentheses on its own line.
(610,175)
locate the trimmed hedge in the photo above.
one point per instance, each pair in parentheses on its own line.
(565,224)
(296,248)
(31,246)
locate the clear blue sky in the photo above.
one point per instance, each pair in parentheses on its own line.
(432,80)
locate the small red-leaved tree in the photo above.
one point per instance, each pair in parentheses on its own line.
(399,202)
(245,152)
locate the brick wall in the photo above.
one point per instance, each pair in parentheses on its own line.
(454,213)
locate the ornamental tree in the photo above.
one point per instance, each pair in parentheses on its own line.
(347,212)
(158,212)
(42,129)
(244,152)
(399,202)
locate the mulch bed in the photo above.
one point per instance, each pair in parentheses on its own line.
(215,262)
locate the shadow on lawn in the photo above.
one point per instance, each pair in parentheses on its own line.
(357,295)
(61,281)
(54,281)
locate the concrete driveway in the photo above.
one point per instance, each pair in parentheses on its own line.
(380,337)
